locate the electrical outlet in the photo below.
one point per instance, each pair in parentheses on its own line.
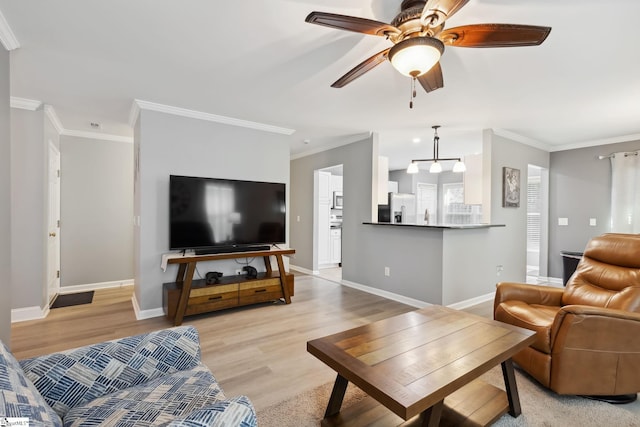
(499,270)
(387,271)
(238,271)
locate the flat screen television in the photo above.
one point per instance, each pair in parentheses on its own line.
(212,215)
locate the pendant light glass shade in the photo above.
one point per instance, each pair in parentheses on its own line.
(413,168)
(415,56)
(459,166)
(435,167)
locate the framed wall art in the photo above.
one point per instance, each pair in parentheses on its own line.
(510,187)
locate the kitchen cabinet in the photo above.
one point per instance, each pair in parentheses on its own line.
(324,217)
(336,245)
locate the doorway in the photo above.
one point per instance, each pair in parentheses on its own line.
(537,223)
(53,224)
(328,214)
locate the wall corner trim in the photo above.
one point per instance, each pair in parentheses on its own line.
(24,103)
(177,111)
(145,314)
(8,39)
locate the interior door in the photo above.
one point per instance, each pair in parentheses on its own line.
(53,240)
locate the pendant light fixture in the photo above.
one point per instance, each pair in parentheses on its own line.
(436,167)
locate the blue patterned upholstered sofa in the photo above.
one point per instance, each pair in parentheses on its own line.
(146,380)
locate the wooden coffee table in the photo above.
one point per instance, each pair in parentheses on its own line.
(423,366)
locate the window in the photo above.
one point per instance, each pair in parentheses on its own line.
(454,209)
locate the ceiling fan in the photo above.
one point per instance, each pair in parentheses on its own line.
(419,38)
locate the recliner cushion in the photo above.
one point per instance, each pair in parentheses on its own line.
(534,317)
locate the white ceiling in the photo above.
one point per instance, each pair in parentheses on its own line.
(259,61)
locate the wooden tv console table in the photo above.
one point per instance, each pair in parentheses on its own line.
(186,296)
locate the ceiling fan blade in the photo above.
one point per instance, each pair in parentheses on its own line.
(436,11)
(432,79)
(363,67)
(351,23)
(494,35)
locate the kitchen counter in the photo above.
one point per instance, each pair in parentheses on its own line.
(437,226)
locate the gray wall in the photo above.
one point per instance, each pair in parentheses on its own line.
(5,199)
(404,180)
(169,144)
(580,188)
(513,238)
(357,160)
(28,225)
(96,211)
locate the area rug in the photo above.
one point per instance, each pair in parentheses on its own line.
(540,407)
(67,300)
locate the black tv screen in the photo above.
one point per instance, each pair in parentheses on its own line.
(219,215)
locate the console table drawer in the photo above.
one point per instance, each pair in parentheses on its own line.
(198,292)
(260,291)
(213,304)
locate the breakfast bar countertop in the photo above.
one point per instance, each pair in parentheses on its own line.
(437,226)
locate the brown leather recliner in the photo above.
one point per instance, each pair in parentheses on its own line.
(587,334)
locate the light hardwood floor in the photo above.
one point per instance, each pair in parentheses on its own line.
(259,351)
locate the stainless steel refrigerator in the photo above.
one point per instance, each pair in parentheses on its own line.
(400,209)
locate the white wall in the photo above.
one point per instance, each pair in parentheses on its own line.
(5,200)
(169,144)
(96,211)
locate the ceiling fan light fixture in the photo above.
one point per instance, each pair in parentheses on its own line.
(415,56)
(413,168)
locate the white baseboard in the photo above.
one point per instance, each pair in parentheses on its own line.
(94,286)
(28,313)
(145,314)
(304,270)
(472,301)
(386,294)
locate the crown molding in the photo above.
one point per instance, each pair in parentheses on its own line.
(57,124)
(522,139)
(97,135)
(348,140)
(177,111)
(53,117)
(8,39)
(134,113)
(24,103)
(597,142)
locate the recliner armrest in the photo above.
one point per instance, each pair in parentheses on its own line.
(595,329)
(531,294)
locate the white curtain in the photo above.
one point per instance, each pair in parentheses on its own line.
(625,192)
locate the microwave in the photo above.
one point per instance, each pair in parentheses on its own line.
(337,200)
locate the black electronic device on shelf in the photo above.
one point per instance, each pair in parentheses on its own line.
(214,215)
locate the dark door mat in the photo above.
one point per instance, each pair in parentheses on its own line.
(68,300)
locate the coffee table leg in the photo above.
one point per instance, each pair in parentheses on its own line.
(335,401)
(431,416)
(512,389)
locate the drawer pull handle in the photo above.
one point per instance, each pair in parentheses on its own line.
(214,298)
(261,290)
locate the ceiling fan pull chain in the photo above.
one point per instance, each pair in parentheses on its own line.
(413,91)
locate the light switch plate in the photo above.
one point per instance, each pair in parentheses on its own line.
(592,222)
(563,221)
